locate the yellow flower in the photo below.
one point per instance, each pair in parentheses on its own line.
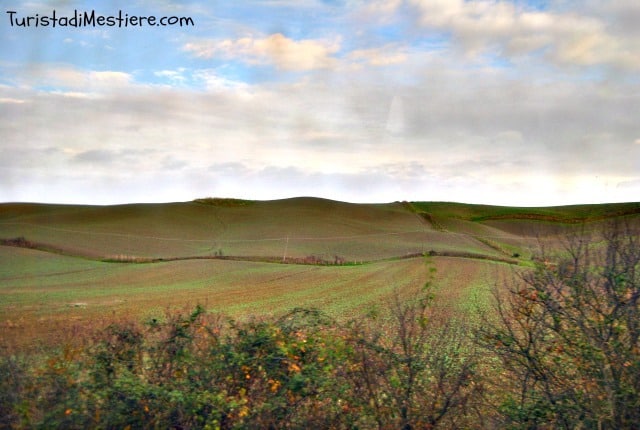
(274,385)
(293,367)
(244,411)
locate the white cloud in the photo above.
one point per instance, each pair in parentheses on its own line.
(381,56)
(68,77)
(312,138)
(282,52)
(568,38)
(383,10)
(108,79)
(214,81)
(11,100)
(460,128)
(174,76)
(77,94)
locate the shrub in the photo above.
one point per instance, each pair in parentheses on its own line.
(413,369)
(13,402)
(568,336)
(400,368)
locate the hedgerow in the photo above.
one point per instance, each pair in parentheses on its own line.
(198,370)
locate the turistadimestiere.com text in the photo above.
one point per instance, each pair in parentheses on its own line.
(81,19)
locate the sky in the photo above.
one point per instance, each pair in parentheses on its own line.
(520,102)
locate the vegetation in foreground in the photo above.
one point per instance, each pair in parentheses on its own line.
(562,351)
(302,370)
(568,337)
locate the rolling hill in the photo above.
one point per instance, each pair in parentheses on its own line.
(66,265)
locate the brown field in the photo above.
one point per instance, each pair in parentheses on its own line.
(58,276)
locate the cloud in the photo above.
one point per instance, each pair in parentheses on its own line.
(403,171)
(380,56)
(630,185)
(11,100)
(213,80)
(61,78)
(209,79)
(97,156)
(403,107)
(176,77)
(621,16)
(382,10)
(320,124)
(277,50)
(171,163)
(234,169)
(324,136)
(500,26)
(97,79)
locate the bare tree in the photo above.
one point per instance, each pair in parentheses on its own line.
(414,369)
(567,335)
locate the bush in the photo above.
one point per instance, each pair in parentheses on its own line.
(413,369)
(302,370)
(568,336)
(13,402)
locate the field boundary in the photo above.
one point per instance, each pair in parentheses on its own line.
(21,242)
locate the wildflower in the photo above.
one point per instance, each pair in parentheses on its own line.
(274,385)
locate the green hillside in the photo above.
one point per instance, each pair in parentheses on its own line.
(562,214)
(291,228)
(62,265)
(298,229)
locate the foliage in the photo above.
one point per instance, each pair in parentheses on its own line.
(561,351)
(568,336)
(301,370)
(12,387)
(416,373)
(224,202)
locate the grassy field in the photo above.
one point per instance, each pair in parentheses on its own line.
(563,214)
(294,227)
(228,257)
(45,296)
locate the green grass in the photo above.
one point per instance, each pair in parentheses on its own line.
(66,291)
(301,227)
(570,214)
(39,287)
(224,202)
(43,293)
(294,228)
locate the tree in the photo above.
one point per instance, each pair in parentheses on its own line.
(567,334)
(411,369)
